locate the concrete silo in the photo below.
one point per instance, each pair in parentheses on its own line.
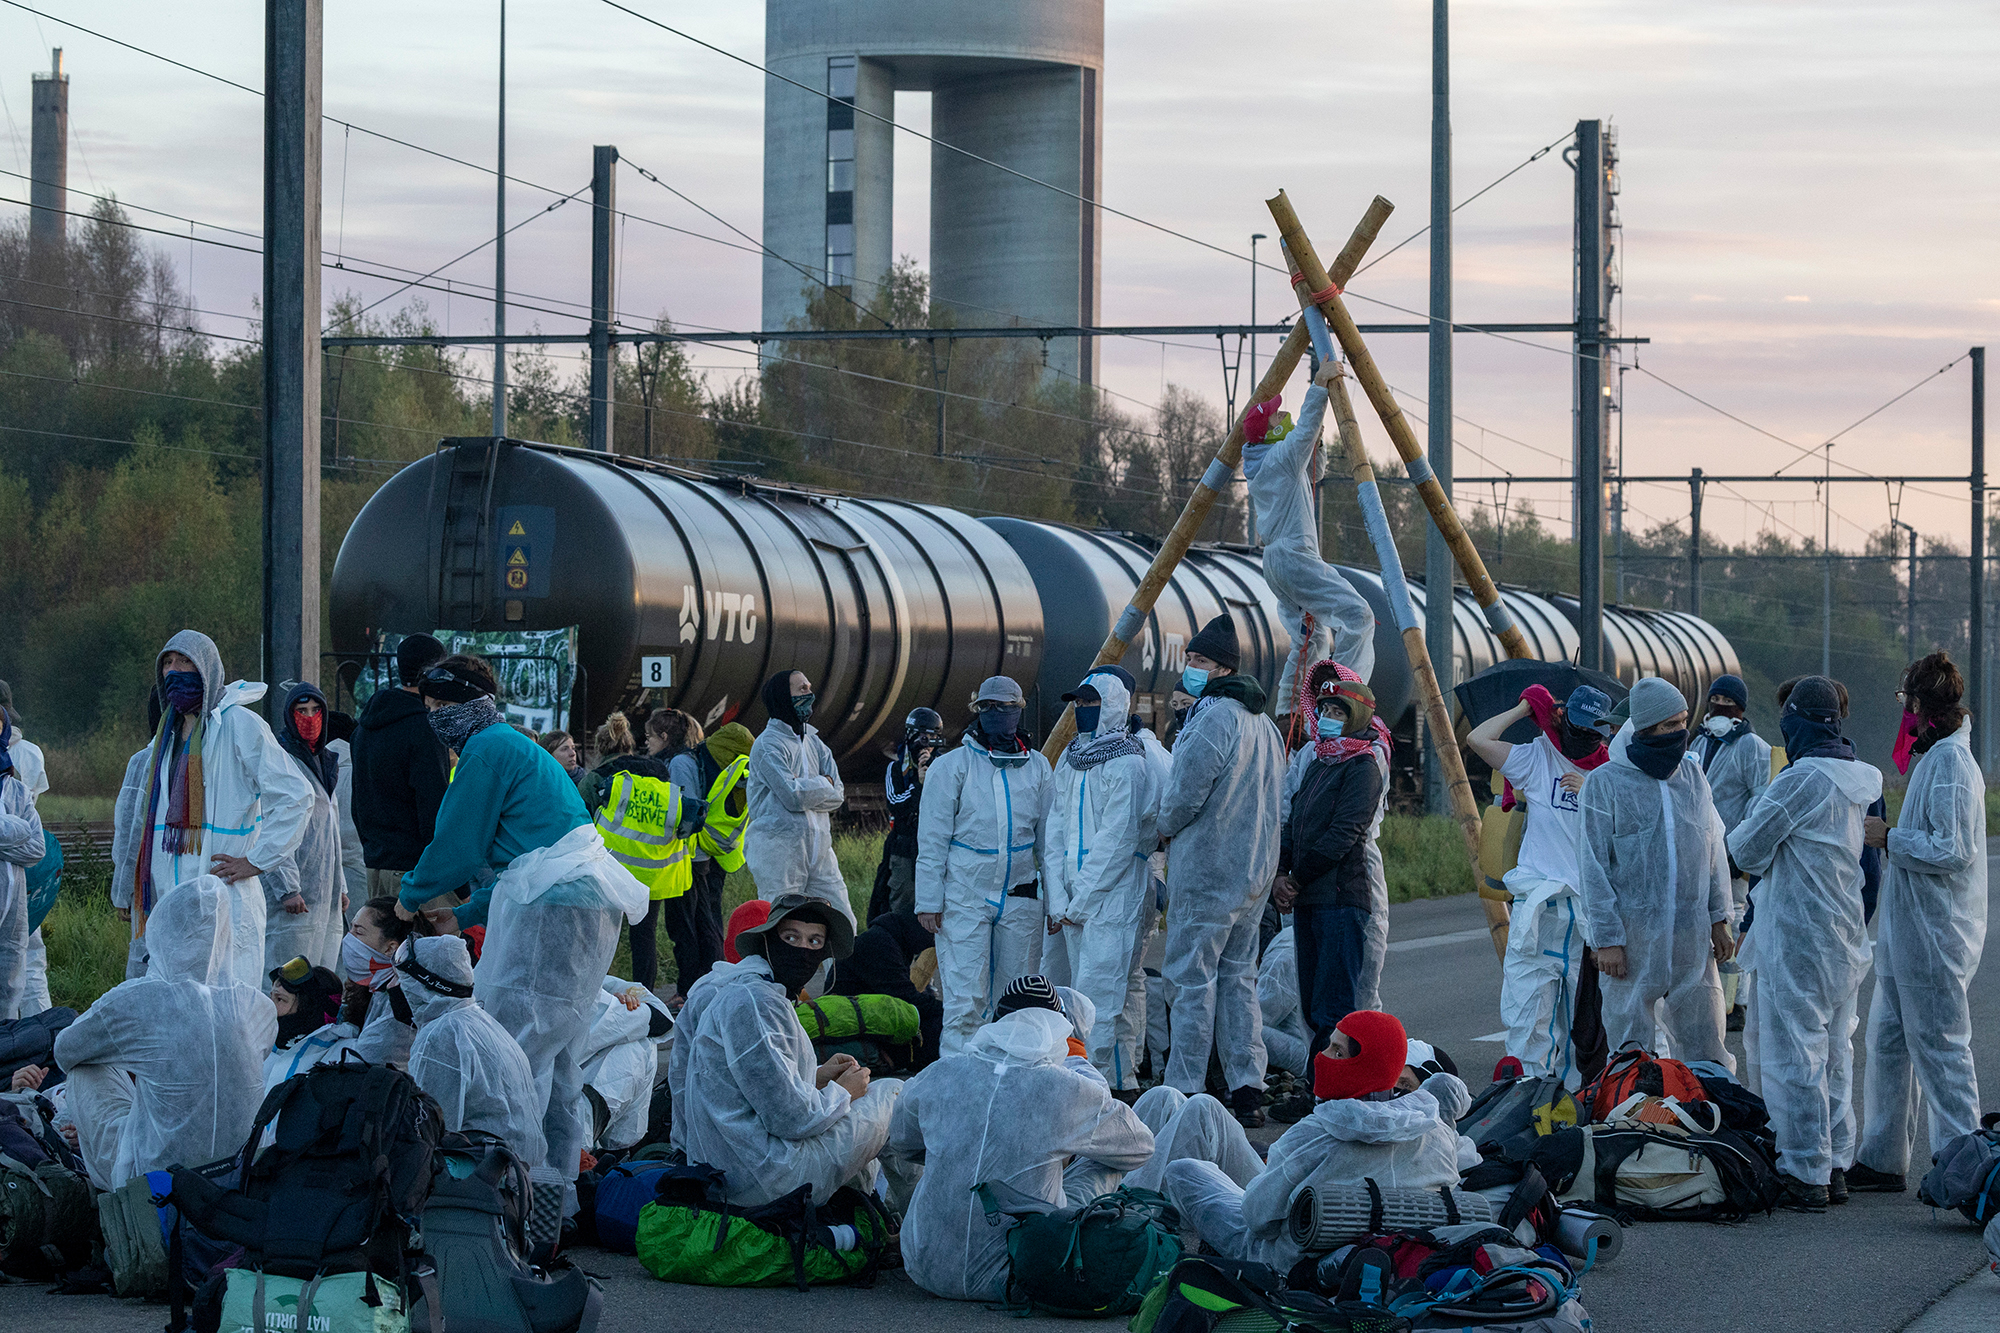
(1018,82)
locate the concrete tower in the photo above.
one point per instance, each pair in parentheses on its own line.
(1019,82)
(48,192)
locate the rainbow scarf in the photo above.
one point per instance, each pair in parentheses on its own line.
(177,767)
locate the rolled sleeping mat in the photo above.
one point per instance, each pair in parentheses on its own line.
(1575,1230)
(1325,1217)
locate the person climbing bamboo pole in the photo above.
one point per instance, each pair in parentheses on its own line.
(1133,619)
(1316,286)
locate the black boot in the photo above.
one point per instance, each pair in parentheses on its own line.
(1294,1108)
(1836,1188)
(1801,1197)
(1867,1180)
(1247,1105)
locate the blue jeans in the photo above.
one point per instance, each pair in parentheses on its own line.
(1330,941)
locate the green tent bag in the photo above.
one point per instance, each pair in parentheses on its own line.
(254,1302)
(690,1234)
(878,1018)
(1090,1262)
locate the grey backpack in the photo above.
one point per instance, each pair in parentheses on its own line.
(1966,1174)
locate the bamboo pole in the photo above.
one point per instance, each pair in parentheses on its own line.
(1464,809)
(1213,481)
(1309,278)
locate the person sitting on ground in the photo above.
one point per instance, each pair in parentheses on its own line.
(880,965)
(307,999)
(749,1097)
(470,1065)
(621,1062)
(167,1069)
(1351,1137)
(368,972)
(1323,878)
(1287,1039)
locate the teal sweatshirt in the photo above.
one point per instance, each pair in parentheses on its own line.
(508,797)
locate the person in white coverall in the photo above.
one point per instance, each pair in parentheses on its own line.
(979,845)
(22,844)
(794,788)
(303,916)
(1221,810)
(32,769)
(1809,943)
(254,800)
(1737,763)
(167,1069)
(1281,466)
(1544,963)
(1102,804)
(1654,883)
(1930,927)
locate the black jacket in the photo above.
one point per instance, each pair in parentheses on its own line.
(399,780)
(905,793)
(1324,845)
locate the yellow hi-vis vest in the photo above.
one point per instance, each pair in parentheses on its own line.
(721,833)
(637,822)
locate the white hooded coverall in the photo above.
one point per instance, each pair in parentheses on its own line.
(794,787)
(979,835)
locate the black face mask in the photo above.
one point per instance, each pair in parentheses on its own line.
(1658,756)
(1579,742)
(791,966)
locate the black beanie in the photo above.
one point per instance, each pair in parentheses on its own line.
(415,653)
(1029,992)
(1217,641)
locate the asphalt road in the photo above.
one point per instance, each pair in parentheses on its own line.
(1874,1266)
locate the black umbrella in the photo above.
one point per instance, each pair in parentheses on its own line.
(1498,688)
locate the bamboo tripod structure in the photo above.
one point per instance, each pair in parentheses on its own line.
(1213,481)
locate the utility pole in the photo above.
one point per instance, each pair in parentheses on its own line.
(292,33)
(1983,735)
(1592,328)
(500,248)
(1826,581)
(1910,599)
(1439,597)
(603,352)
(1694,542)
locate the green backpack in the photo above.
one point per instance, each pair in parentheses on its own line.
(1089,1262)
(878,1018)
(48,1220)
(690,1233)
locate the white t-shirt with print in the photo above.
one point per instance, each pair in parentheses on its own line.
(1555,818)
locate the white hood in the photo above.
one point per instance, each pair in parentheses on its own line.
(1023,1038)
(1117,703)
(1403,1120)
(1858,782)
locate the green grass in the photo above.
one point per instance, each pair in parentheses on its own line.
(86,940)
(56,809)
(1424,857)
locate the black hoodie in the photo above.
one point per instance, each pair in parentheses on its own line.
(399,780)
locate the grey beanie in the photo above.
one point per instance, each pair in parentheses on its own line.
(1653,701)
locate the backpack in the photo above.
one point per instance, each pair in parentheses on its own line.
(1966,1175)
(1212,1294)
(1508,1117)
(350,1162)
(1633,1071)
(1466,1277)
(1661,1171)
(622,1193)
(691,1233)
(243,1300)
(476,1277)
(878,1018)
(48,1219)
(135,1242)
(1089,1262)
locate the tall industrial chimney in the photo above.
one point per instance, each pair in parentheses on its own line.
(49,190)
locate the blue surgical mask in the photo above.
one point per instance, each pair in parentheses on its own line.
(1086,717)
(1194,680)
(1329,727)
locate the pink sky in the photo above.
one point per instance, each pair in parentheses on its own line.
(1809,192)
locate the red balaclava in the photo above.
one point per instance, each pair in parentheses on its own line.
(309,728)
(1381,1049)
(753,913)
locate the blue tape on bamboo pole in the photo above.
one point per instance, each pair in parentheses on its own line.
(1419,470)
(1130,621)
(1218,476)
(1498,619)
